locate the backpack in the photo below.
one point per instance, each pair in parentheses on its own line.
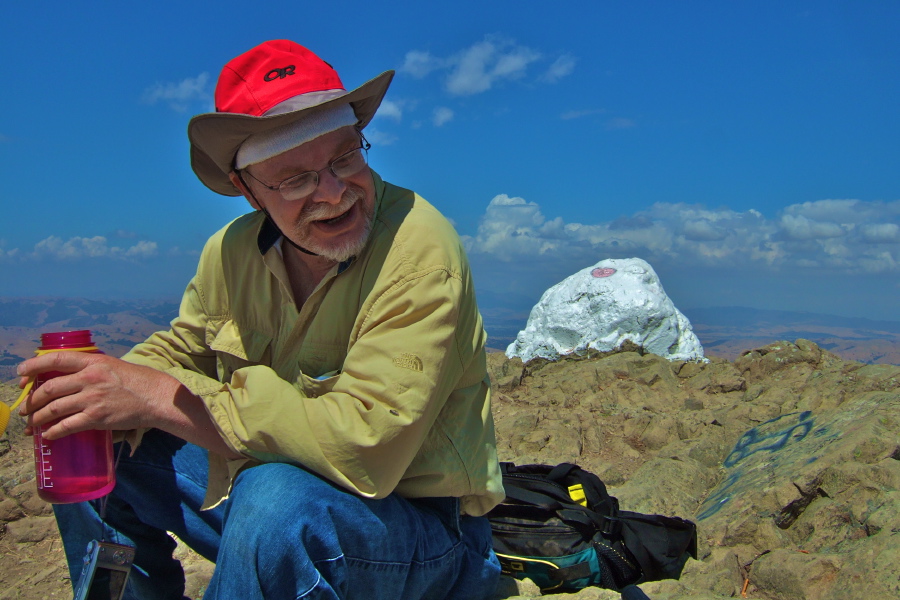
(560,528)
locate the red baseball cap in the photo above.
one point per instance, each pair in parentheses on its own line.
(267,87)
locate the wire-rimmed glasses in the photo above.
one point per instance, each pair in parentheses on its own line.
(304,184)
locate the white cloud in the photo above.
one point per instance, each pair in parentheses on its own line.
(846,212)
(702,230)
(562,66)
(442,115)
(514,63)
(77,248)
(838,211)
(142,249)
(8,254)
(881,262)
(379,137)
(391,110)
(420,64)
(485,64)
(181,94)
(799,227)
(477,68)
(881,233)
(513,229)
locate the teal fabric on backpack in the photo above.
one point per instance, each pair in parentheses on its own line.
(553,576)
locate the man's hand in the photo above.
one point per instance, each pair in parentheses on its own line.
(97,391)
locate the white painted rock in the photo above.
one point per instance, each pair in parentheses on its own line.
(602,306)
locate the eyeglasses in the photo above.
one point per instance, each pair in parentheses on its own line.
(303,185)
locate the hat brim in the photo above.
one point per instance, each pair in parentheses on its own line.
(216,137)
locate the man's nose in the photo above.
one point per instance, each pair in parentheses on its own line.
(330,188)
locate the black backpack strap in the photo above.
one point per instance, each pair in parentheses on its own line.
(561,471)
(570,512)
(531,496)
(608,526)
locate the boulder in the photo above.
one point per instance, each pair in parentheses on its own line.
(601,308)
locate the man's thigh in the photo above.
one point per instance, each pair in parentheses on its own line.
(310,537)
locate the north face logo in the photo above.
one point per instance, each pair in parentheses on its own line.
(280,73)
(409,361)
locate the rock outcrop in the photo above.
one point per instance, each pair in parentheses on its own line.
(602,307)
(788,460)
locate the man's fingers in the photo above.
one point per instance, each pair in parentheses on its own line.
(59,408)
(62,362)
(50,390)
(69,425)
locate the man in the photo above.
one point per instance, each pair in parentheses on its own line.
(328,355)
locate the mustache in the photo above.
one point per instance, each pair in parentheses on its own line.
(321,212)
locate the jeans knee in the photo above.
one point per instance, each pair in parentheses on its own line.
(281,500)
(267,492)
(278,518)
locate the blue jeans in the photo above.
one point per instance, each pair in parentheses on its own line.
(283,533)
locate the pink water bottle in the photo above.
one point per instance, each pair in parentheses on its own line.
(79,466)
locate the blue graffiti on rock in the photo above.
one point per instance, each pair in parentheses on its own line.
(771,436)
(758,440)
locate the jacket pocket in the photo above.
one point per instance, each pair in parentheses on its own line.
(313,387)
(237,347)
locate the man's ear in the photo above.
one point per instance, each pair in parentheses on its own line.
(238,182)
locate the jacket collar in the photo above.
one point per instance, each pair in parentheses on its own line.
(268,235)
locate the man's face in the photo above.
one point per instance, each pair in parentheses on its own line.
(335,220)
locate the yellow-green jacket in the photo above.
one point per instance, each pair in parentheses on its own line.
(379,383)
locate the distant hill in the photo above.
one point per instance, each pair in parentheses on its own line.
(117,325)
(728,331)
(725,332)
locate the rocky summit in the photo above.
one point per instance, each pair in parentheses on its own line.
(787,459)
(600,308)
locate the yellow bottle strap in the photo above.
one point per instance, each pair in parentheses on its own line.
(39,352)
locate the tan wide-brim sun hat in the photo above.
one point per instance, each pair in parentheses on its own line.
(273,85)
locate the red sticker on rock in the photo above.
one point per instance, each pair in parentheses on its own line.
(604,272)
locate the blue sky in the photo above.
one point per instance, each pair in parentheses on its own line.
(747,150)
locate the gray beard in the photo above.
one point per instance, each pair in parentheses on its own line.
(344,250)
